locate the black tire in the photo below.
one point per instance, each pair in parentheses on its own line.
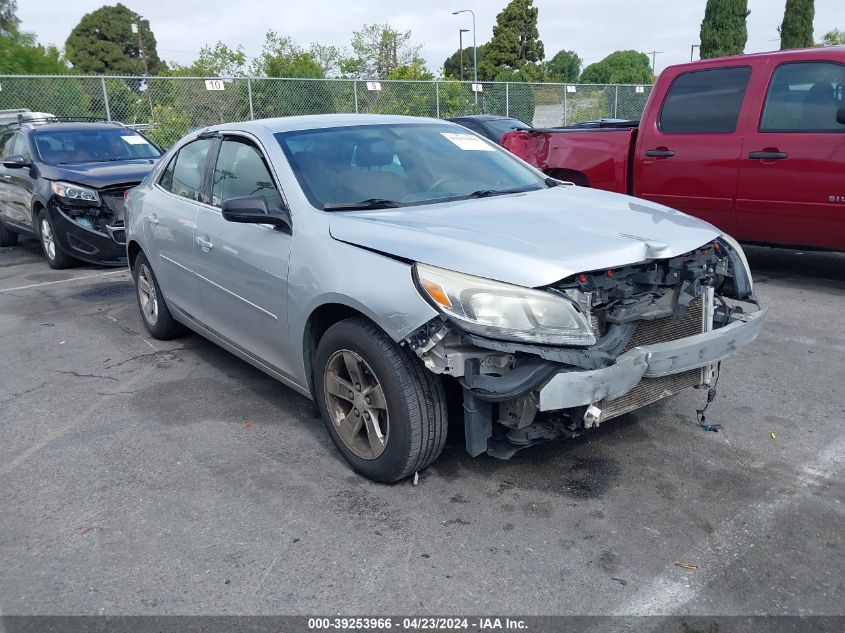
(56,257)
(415,400)
(7,237)
(160,324)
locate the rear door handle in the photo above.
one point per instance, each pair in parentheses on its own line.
(152,219)
(659,153)
(768,155)
(205,243)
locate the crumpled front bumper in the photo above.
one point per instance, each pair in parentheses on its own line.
(570,389)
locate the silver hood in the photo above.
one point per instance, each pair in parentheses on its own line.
(529,239)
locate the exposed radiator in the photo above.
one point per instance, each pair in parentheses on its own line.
(651,390)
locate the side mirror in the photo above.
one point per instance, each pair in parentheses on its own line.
(840,115)
(253,210)
(16,161)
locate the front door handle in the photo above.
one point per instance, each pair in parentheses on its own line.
(768,155)
(152,219)
(205,243)
(660,152)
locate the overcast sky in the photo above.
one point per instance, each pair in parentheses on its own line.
(592,28)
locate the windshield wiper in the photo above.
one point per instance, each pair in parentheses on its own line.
(486,193)
(369,203)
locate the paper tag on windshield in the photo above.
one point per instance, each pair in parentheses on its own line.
(135,139)
(468,142)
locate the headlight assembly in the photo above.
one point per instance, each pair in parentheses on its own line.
(738,254)
(502,311)
(69,191)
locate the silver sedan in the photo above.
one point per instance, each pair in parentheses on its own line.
(375,264)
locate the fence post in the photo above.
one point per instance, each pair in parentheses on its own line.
(355,90)
(437,96)
(105,98)
(507,98)
(249,94)
(616,102)
(565,90)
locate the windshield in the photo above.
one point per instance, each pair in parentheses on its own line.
(377,166)
(59,147)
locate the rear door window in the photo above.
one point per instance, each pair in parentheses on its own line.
(705,101)
(804,97)
(185,173)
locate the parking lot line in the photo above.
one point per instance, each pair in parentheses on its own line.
(63,281)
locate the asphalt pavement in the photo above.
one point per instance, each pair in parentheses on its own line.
(148,477)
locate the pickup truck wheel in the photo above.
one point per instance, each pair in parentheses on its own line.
(7,237)
(56,257)
(383,410)
(154,312)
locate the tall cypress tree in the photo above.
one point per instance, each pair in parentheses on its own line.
(516,41)
(723,30)
(797,28)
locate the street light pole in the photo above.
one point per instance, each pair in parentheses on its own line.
(461,48)
(692,50)
(474,48)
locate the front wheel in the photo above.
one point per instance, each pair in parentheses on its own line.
(383,410)
(56,257)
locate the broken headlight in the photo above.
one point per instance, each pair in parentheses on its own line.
(69,191)
(502,311)
(744,287)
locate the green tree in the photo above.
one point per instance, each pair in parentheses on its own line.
(8,16)
(416,70)
(724,30)
(377,49)
(281,56)
(516,40)
(452,65)
(20,53)
(833,38)
(103,42)
(330,58)
(796,31)
(620,67)
(214,61)
(564,67)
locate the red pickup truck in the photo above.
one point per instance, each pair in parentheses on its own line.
(754,144)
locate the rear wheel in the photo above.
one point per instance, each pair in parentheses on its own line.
(383,410)
(154,311)
(7,237)
(56,257)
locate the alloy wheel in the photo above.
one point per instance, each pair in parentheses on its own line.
(147,294)
(48,240)
(356,404)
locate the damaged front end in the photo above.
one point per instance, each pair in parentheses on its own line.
(638,333)
(89,223)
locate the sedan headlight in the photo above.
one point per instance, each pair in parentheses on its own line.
(502,311)
(69,191)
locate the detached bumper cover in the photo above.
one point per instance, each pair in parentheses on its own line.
(578,388)
(87,244)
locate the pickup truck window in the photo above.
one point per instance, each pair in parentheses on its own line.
(804,97)
(704,101)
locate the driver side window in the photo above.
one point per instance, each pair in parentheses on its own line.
(241,170)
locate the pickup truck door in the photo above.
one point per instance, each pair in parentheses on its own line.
(243,268)
(791,187)
(687,153)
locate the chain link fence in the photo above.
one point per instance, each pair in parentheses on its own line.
(168,107)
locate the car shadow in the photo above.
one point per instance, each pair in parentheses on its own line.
(816,268)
